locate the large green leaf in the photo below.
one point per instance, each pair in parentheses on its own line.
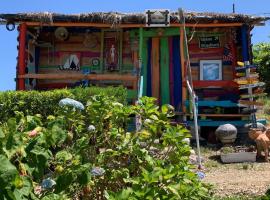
(64,181)
(63,156)
(8,172)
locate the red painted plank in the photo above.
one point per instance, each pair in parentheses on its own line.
(228,84)
(196,48)
(205,55)
(45,86)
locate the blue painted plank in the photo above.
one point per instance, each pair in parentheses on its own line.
(218,123)
(246,67)
(245,50)
(177,76)
(215,103)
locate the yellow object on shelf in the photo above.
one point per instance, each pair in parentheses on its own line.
(241,64)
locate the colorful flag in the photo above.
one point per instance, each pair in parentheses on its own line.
(227,53)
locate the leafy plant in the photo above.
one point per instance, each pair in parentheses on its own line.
(46,102)
(91,153)
(261,54)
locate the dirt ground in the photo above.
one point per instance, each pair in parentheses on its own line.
(239,179)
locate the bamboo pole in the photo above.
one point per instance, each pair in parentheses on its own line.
(190,88)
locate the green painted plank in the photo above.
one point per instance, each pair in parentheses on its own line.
(132,94)
(144,66)
(155,32)
(164,71)
(141,43)
(143,58)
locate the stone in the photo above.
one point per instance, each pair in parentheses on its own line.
(226,133)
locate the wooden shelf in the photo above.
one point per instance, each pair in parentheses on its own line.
(70,76)
(212,123)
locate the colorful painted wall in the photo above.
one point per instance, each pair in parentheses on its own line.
(84,51)
(207,48)
(116,51)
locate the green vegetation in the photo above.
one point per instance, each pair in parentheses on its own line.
(46,102)
(86,152)
(261,54)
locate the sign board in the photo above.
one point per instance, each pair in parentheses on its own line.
(246,67)
(259,84)
(250,103)
(209,42)
(157,18)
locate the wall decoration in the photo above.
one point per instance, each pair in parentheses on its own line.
(111,51)
(61,33)
(210,70)
(70,61)
(157,18)
(209,42)
(90,40)
(95,62)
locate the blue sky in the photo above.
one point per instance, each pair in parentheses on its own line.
(8,40)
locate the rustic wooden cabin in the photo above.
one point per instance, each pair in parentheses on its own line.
(157,52)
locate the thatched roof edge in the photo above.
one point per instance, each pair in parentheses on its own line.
(130,18)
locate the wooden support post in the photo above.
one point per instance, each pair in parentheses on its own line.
(143,60)
(171,72)
(120,57)
(22,56)
(234,53)
(183,69)
(155,68)
(141,43)
(101,50)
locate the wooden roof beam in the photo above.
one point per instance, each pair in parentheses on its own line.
(101,25)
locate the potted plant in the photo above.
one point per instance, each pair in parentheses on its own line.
(238,154)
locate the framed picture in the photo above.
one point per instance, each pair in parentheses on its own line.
(211,70)
(157,18)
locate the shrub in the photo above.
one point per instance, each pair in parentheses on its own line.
(46,102)
(89,154)
(261,54)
